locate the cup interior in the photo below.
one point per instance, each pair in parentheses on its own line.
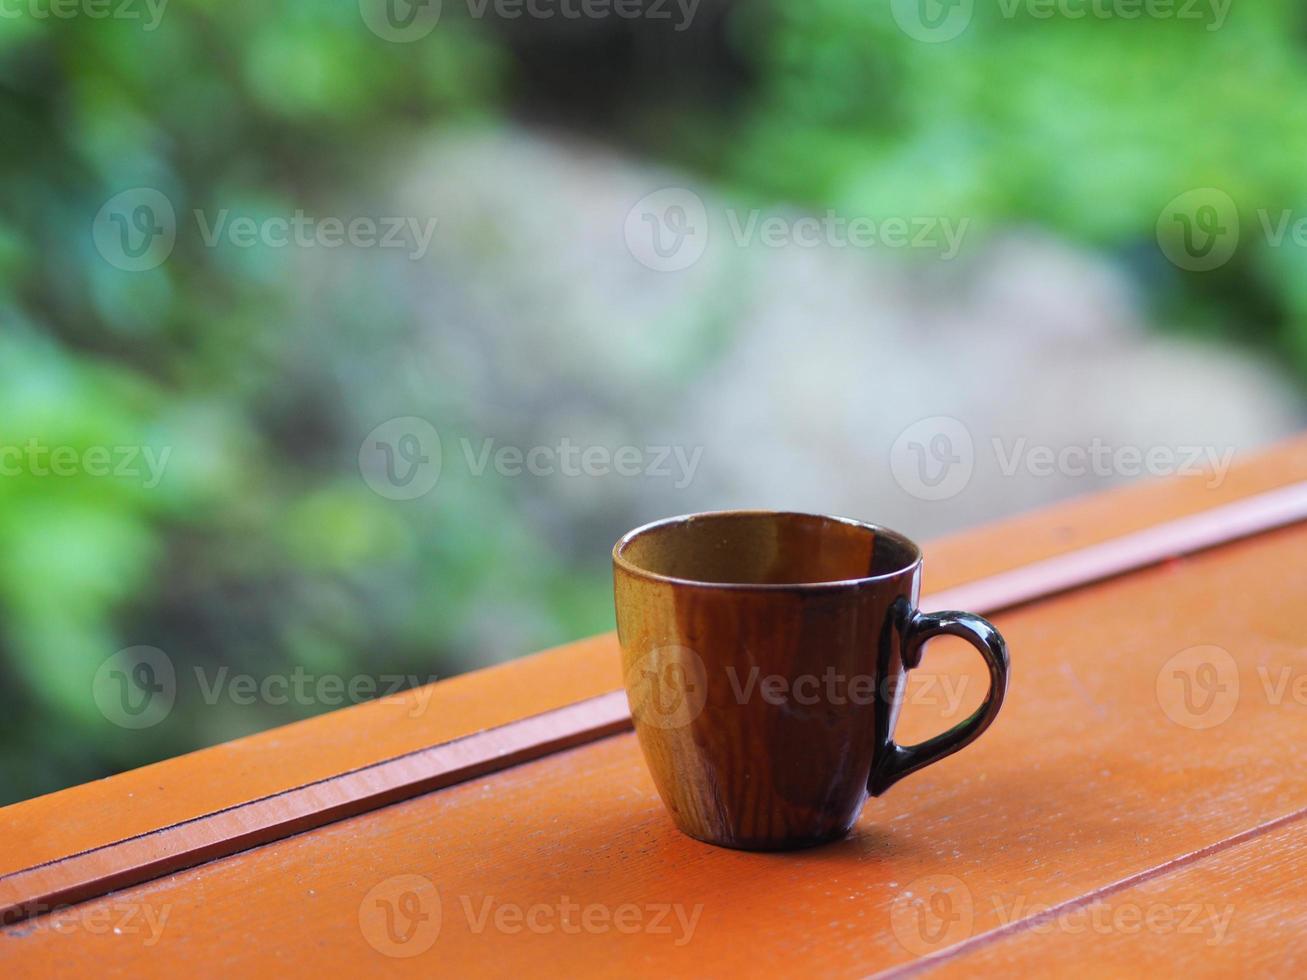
(765,548)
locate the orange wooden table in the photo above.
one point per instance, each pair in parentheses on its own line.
(1139,806)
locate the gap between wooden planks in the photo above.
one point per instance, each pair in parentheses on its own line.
(78,877)
(958,953)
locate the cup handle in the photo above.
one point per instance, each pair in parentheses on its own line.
(897,760)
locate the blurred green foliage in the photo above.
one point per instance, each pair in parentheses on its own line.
(1087,126)
(262,549)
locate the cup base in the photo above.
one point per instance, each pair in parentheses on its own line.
(798,843)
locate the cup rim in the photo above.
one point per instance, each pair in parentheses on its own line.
(619,561)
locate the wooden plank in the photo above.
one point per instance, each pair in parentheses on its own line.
(1239,911)
(182,788)
(187,787)
(1096,772)
(1171,539)
(98,870)
(1019,541)
(88,874)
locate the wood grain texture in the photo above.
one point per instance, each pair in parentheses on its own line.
(1173,538)
(186,787)
(147,799)
(92,873)
(1240,911)
(1040,534)
(1098,771)
(131,860)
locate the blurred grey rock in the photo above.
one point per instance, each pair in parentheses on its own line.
(796,369)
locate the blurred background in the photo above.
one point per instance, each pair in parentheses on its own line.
(342,340)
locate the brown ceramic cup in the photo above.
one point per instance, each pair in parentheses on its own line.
(765,655)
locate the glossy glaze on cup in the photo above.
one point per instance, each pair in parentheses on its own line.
(710,605)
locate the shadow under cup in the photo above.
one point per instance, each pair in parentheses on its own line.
(763,656)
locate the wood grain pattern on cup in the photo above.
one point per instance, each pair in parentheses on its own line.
(764,655)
